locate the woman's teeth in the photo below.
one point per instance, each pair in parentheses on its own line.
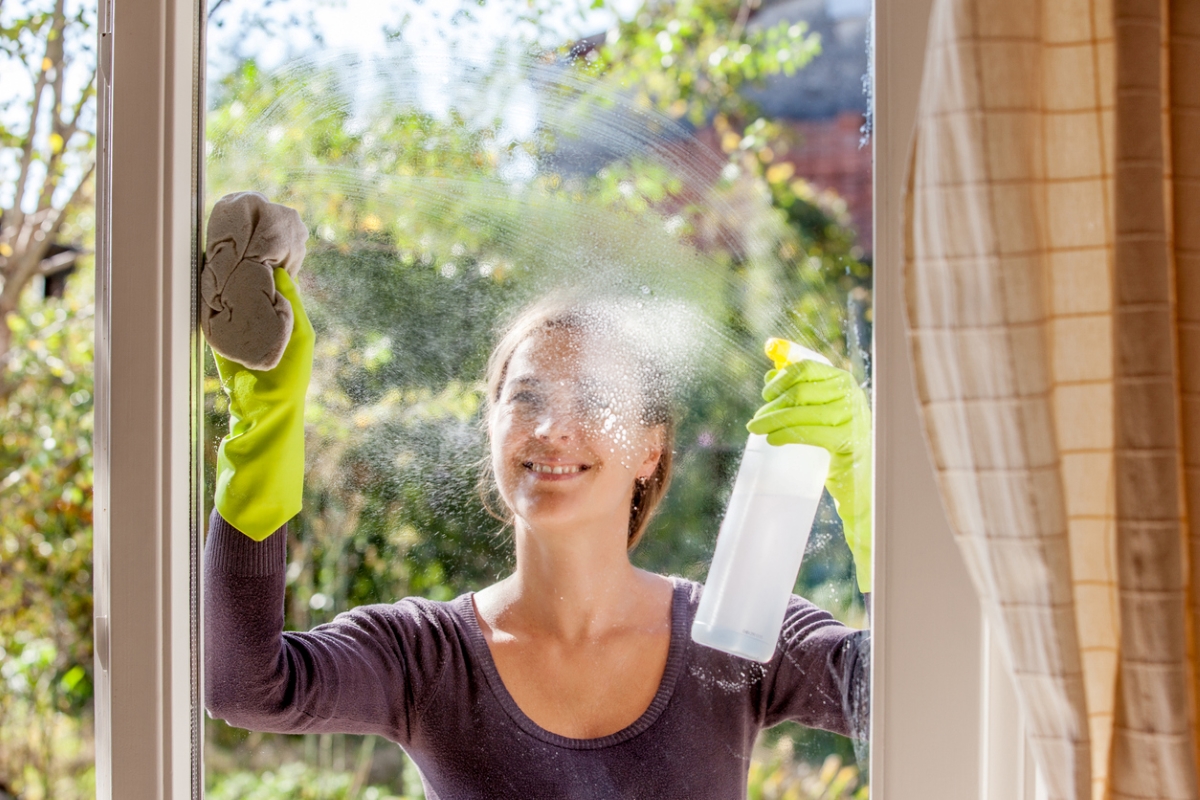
(554,470)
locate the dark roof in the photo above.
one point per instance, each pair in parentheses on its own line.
(833,82)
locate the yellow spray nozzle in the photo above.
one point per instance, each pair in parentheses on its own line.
(783,352)
(777,351)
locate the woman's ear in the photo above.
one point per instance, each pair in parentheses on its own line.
(655,443)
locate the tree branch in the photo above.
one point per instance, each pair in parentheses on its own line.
(76,193)
(77,112)
(21,270)
(57,126)
(212,10)
(22,265)
(743,17)
(27,147)
(56,32)
(66,129)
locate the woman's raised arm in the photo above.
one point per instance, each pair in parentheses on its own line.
(370,670)
(365,671)
(821,674)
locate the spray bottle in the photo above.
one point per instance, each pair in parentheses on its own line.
(762,538)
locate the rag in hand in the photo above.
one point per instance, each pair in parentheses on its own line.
(242,315)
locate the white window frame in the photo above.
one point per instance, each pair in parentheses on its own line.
(147,707)
(944,723)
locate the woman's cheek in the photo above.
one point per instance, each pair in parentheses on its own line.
(503,456)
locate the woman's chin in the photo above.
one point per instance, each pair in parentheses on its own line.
(556,514)
(550,514)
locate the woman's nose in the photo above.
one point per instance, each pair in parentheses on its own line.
(553,424)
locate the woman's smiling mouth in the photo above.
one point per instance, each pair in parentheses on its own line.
(555,469)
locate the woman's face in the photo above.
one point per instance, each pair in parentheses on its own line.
(567,439)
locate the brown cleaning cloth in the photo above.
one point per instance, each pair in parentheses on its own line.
(241,314)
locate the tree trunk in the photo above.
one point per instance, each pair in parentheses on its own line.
(6,384)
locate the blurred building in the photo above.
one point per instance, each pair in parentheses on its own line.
(827,102)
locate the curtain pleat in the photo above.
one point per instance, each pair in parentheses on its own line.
(1153,748)
(1053,299)
(1184,81)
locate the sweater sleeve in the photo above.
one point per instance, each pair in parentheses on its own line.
(821,673)
(367,671)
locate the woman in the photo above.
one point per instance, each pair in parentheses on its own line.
(573,677)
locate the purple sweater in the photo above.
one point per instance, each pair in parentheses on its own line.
(420,673)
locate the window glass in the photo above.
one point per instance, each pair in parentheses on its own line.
(701,166)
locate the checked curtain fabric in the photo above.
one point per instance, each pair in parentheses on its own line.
(1053,299)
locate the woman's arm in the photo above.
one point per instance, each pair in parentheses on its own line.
(368,671)
(357,674)
(821,674)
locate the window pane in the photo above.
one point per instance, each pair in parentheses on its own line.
(695,175)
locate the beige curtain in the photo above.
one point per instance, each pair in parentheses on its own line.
(1053,291)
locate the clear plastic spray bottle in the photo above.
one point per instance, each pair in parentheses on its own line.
(762,538)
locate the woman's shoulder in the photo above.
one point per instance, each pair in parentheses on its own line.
(419,615)
(432,638)
(805,624)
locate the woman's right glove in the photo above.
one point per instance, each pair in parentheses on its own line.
(260,463)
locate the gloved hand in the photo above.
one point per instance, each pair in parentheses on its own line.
(812,403)
(260,464)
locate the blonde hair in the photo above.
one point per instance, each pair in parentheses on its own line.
(567,314)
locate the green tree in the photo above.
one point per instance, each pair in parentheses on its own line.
(47,139)
(46,161)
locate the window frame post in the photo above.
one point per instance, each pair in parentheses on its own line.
(928,714)
(145,581)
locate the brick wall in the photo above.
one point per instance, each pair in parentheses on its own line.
(830,156)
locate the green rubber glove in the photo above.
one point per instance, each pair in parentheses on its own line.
(260,464)
(811,403)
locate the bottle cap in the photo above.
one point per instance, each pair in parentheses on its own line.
(784,352)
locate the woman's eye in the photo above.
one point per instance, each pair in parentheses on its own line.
(525,398)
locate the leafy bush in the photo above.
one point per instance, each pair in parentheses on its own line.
(45,550)
(296,781)
(776,774)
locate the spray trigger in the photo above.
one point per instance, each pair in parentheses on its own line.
(784,352)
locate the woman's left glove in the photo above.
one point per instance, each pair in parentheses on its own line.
(811,403)
(260,464)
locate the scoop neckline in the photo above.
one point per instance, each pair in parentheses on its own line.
(662,697)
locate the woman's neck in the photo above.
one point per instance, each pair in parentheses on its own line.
(574,586)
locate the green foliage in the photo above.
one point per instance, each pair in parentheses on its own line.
(45,548)
(46,40)
(776,774)
(296,781)
(47,138)
(693,58)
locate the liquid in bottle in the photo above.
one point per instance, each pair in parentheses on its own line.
(762,539)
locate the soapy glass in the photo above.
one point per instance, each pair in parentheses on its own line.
(448,186)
